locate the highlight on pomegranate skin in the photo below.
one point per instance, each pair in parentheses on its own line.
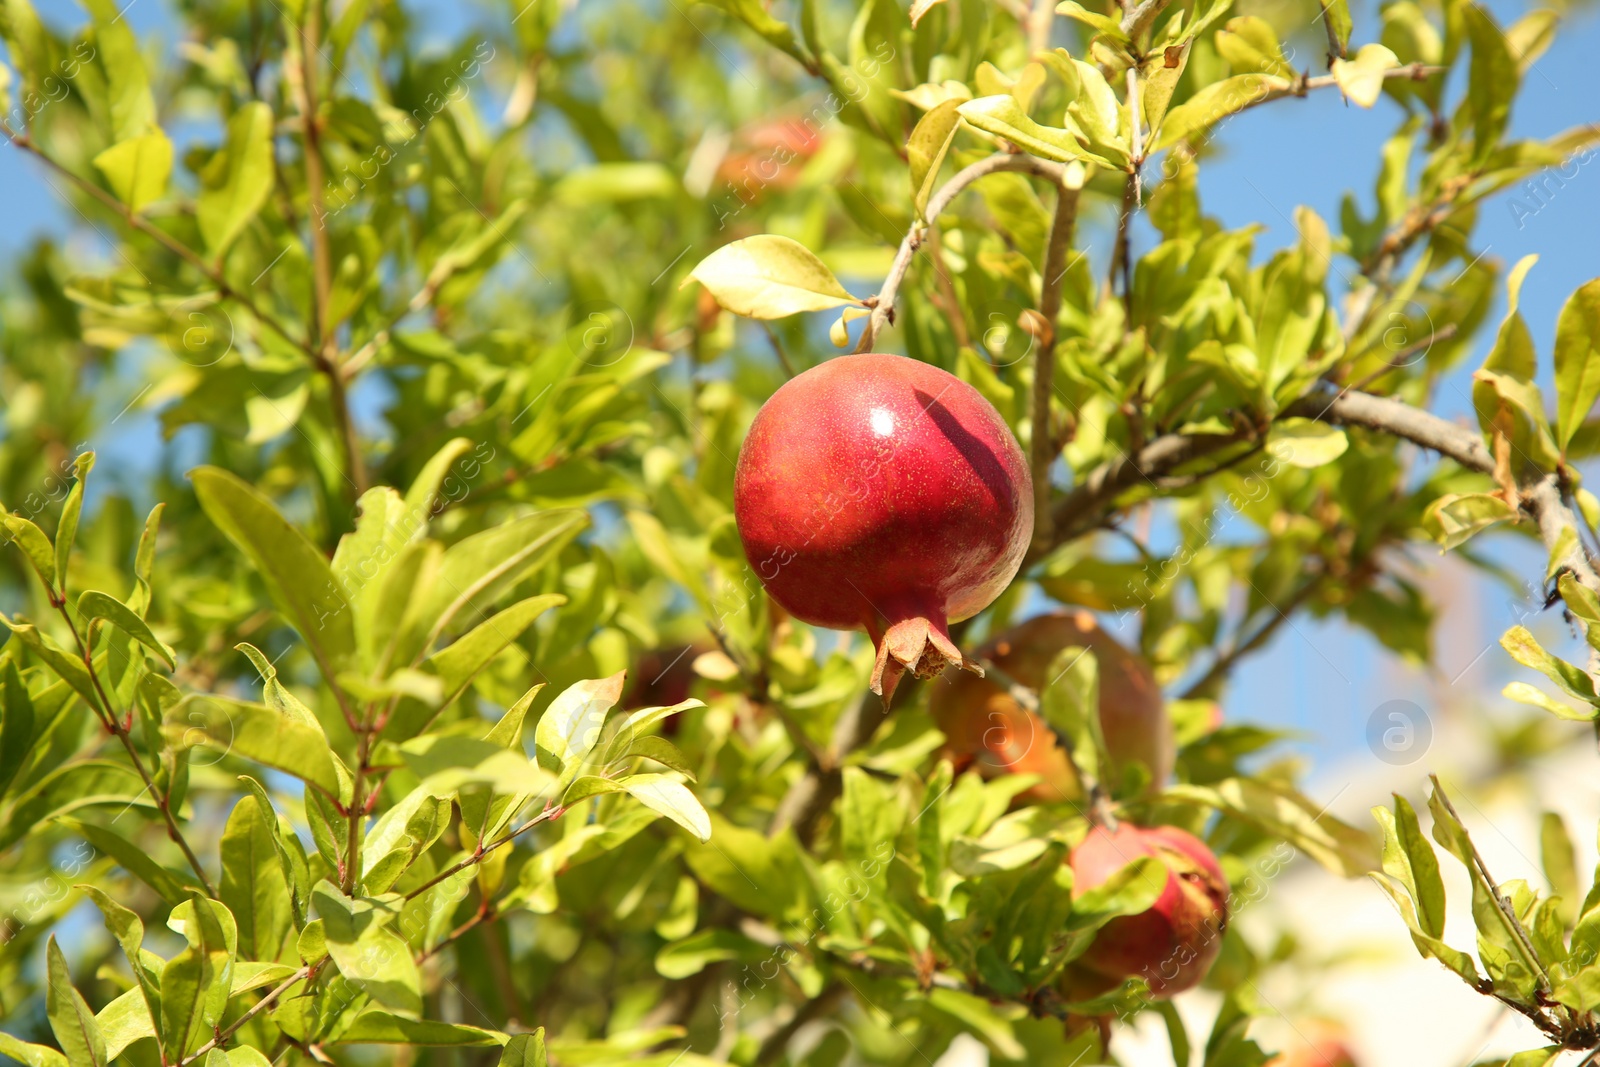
(881,493)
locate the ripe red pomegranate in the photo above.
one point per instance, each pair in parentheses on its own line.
(1172,944)
(881,493)
(984,722)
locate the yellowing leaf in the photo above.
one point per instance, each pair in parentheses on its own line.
(927,147)
(1455,517)
(1361,78)
(665,795)
(769,277)
(999,115)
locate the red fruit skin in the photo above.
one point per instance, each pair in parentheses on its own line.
(1325,1049)
(1172,944)
(982,720)
(877,492)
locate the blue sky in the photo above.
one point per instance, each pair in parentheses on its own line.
(1322,678)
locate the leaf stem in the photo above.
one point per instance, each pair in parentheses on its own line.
(550,812)
(255,1009)
(883,309)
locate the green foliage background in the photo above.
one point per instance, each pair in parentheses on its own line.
(334,759)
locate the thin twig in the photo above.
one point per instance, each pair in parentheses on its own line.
(255,1009)
(1042,446)
(550,812)
(213,274)
(113,721)
(883,306)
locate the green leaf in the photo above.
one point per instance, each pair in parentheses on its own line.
(133,108)
(297,575)
(67,528)
(665,795)
(16,722)
(174,887)
(70,1018)
(1492,79)
(1284,813)
(68,667)
(30,1055)
(769,277)
(374,958)
(1105,24)
(126,926)
(926,149)
(662,751)
(570,727)
(1069,702)
(755,15)
(382,1028)
(1560,862)
(458,663)
(1577,360)
(1251,46)
(256,733)
(525,1050)
(254,885)
(1215,102)
(1307,443)
(1455,518)
(1002,116)
(1337,15)
(1526,650)
(137,169)
(125,1020)
(93,604)
(446,764)
(35,546)
(236,182)
(476,570)
(1408,857)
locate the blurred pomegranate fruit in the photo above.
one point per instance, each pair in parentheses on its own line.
(877,492)
(985,724)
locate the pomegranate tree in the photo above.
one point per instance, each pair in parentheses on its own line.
(881,493)
(1171,944)
(985,724)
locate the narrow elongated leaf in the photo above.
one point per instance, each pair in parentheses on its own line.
(16,722)
(70,1018)
(30,1055)
(235,183)
(382,1028)
(769,277)
(173,886)
(367,953)
(476,570)
(35,546)
(1002,116)
(68,668)
(256,733)
(67,529)
(1577,360)
(929,143)
(1280,811)
(93,604)
(126,926)
(192,980)
(459,662)
(253,883)
(297,575)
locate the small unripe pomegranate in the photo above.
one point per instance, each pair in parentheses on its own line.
(881,493)
(983,721)
(1172,944)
